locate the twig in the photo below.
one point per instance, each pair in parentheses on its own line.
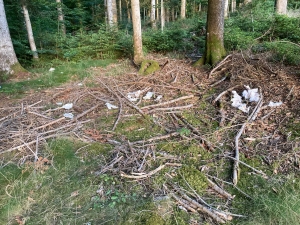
(219,65)
(37,114)
(223,93)
(151,172)
(237,137)
(157,138)
(49,124)
(168,102)
(216,178)
(219,81)
(219,190)
(171,108)
(32,142)
(250,167)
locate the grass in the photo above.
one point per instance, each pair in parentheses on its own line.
(62,73)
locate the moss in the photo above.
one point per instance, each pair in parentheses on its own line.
(192,176)
(148,67)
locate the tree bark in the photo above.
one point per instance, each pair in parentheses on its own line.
(120,10)
(8,60)
(152,16)
(233,5)
(29,31)
(226,8)
(137,32)
(112,13)
(61,20)
(214,45)
(182,9)
(281,7)
(162,15)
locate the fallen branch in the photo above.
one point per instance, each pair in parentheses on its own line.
(157,138)
(219,190)
(223,93)
(171,108)
(219,65)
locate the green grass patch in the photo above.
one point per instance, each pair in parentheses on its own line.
(64,71)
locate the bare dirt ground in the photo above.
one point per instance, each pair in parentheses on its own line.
(272,133)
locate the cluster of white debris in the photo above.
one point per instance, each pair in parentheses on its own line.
(248,95)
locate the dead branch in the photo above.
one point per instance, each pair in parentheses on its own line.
(223,93)
(219,190)
(219,65)
(157,138)
(171,108)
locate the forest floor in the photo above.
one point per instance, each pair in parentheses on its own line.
(183,155)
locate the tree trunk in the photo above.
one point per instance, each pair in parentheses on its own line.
(233,5)
(152,17)
(226,9)
(61,20)
(168,14)
(112,13)
(162,15)
(173,14)
(29,31)
(157,10)
(128,11)
(247,2)
(137,32)
(182,12)
(8,61)
(120,10)
(281,7)
(214,45)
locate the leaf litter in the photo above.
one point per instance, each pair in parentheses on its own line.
(177,89)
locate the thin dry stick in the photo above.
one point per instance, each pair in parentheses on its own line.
(219,190)
(145,175)
(157,138)
(219,65)
(120,103)
(168,102)
(171,108)
(32,142)
(37,114)
(250,167)
(85,112)
(49,124)
(202,208)
(223,93)
(219,81)
(237,137)
(182,203)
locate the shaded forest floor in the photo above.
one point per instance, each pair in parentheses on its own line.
(166,159)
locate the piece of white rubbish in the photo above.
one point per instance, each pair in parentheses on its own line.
(134,96)
(68,106)
(237,102)
(148,95)
(59,103)
(110,106)
(158,98)
(51,69)
(275,104)
(69,115)
(251,94)
(79,84)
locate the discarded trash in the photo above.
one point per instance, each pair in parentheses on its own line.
(68,106)
(158,98)
(79,84)
(51,69)
(148,95)
(59,103)
(275,104)
(69,115)
(110,106)
(251,94)
(134,96)
(237,102)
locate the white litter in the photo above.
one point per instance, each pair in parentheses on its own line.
(134,96)
(79,84)
(69,115)
(158,98)
(110,106)
(59,103)
(149,95)
(251,94)
(237,102)
(68,106)
(275,104)
(51,69)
